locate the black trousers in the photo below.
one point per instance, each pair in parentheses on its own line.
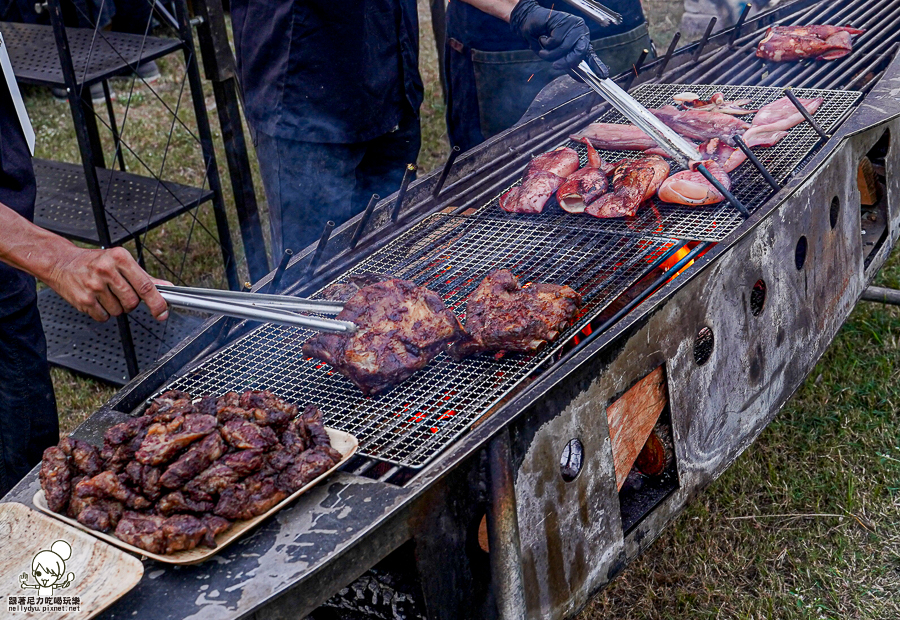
(28,422)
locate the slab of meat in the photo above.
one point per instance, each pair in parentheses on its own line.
(786,43)
(401,327)
(691,188)
(146,478)
(342,291)
(250,498)
(545,173)
(502,315)
(183,532)
(197,458)
(634,182)
(177,502)
(121,441)
(56,478)
(781,114)
(164,441)
(107,485)
(85,457)
(700,124)
(143,531)
(304,469)
(615,137)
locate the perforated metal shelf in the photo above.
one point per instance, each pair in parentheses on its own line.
(710,222)
(133,203)
(95,55)
(77,342)
(450,255)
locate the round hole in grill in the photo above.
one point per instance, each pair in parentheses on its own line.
(757,298)
(703,345)
(800,252)
(571,460)
(834,211)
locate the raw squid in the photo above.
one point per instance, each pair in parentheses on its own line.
(615,137)
(634,183)
(785,43)
(544,175)
(689,187)
(700,124)
(781,114)
(585,185)
(716,103)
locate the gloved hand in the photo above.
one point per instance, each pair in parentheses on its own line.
(554,35)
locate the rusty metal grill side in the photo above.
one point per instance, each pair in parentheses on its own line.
(450,255)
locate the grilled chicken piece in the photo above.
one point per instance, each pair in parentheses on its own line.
(307,467)
(143,531)
(244,435)
(197,458)
(634,182)
(164,441)
(56,478)
(501,315)
(107,485)
(544,175)
(700,124)
(691,188)
(786,43)
(183,532)
(146,478)
(401,328)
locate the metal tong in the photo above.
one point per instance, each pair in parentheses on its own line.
(281,309)
(599,13)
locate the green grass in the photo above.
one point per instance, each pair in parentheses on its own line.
(748,547)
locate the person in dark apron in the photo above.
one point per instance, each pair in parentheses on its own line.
(492,72)
(103,283)
(332,94)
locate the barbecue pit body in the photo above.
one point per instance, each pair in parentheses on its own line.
(729,360)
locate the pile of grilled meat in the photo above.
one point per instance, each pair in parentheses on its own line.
(402,327)
(179,475)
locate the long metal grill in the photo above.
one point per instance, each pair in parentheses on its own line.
(709,222)
(872,51)
(450,255)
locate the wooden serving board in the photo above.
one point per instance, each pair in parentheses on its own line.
(102,574)
(345,443)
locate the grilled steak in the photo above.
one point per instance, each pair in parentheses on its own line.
(401,327)
(501,315)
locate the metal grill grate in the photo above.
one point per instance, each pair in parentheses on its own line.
(711,222)
(450,255)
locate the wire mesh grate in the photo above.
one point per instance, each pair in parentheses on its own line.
(710,222)
(449,255)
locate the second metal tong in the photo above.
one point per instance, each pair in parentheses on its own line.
(282,309)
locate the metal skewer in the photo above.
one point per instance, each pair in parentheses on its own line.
(277,302)
(257,313)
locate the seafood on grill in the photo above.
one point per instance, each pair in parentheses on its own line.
(701,125)
(689,187)
(634,182)
(615,137)
(787,43)
(716,103)
(584,185)
(782,115)
(401,327)
(543,176)
(504,316)
(257,452)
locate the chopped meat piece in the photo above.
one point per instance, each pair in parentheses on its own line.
(501,315)
(99,514)
(164,441)
(281,457)
(267,409)
(401,328)
(214,526)
(244,462)
(197,458)
(183,532)
(228,399)
(306,468)
(85,457)
(207,405)
(142,531)
(177,502)
(119,434)
(211,481)
(245,435)
(226,414)
(107,485)
(146,478)
(121,441)
(342,291)
(786,43)
(56,478)
(312,417)
(250,498)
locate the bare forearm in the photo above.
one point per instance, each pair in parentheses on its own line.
(30,248)
(497,8)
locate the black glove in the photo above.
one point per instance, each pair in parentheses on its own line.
(553,35)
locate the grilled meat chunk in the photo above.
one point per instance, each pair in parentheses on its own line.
(225,471)
(502,315)
(107,485)
(244,435)
(786,43)
(120,442)
(146,478)
(85,457)
(56,478)
(307,467)
(401,328)
(164,441)
(634,183)
(342,291)
(197,458)
(143,531)
(177,502)
(266,409)
(250,498)
(214,526)
(312,420)
(183,532)
(98,514)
